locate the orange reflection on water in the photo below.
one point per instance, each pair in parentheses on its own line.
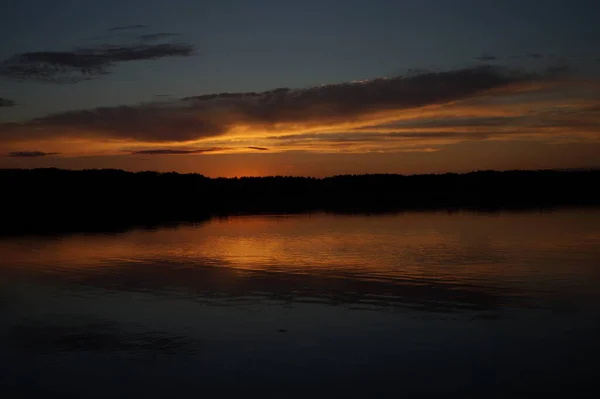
(440,246)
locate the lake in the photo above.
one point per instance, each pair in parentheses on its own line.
(460,304)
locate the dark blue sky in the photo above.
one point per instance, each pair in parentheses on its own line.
(259,45)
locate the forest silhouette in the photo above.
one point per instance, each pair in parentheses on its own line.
(57,200)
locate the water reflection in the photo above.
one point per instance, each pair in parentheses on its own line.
(434,261)
(398,298)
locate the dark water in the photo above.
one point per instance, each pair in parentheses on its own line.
(416,304)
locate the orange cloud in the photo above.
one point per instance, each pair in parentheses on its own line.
(405,114)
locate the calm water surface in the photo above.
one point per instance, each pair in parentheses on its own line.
(461,304)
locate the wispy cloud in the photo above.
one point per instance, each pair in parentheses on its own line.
(30,154)
(128,27)
(5,102)
(84,63)
(486,57)
(158,36)
(258,148)
(176,152)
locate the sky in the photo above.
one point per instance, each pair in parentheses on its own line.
(313,87)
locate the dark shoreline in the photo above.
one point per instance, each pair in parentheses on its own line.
(53,201)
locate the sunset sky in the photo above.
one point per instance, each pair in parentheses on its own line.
(313,87)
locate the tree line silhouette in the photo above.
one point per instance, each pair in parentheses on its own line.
(52,200)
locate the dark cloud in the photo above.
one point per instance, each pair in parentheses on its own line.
(486,57)
(147,122)
(5,102)
(213,115)
(127,27)
(30,154)
(176,152)
(258,148)
(331,101)
(85,63)
(157,36)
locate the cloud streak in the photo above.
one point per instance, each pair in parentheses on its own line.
(30,154)
(5,102)
(84,63)
(127,27)
(486,57)
(158,36)
(258,148)
(176,152)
